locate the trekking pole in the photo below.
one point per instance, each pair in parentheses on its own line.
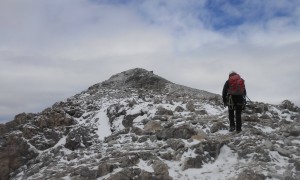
(249,99)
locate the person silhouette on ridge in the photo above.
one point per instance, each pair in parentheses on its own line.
(234,93)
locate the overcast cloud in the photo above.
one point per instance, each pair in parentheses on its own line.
(53,49)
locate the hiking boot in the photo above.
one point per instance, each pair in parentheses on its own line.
(238,131)
(231,129)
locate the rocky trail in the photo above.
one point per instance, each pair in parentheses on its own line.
(137,125)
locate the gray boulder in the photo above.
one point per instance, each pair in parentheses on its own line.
(115,110)
(201,112)
(217,126)
(160,170)
(211,147)
(183,132)
(179,109)
(128,160)
(153,126)
(125,174)
(128,120)
(79,138)
(294,131)
(84,173)
(45,140)
(175,144)
(53,117)
(286,104)
(163,111)
(250,118)
(207,151)
(190,106)
(104,169)
(144,175)
(250,175)
(193,162)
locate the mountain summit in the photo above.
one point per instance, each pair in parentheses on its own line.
(138,125)
(136,78)
(143,80)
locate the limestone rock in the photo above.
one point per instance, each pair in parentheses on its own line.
(217,126)
(201,112)
(115,110)
(184,132)
(286,104)
(104,169)
(128,120)
(126,174)
(175,144)
(163,111)
(14,152)
(51,118)
(190,106)
(84,172)
(250,175)
(78,138)
(193,162)
(179,109)
(160,170)
(153,126)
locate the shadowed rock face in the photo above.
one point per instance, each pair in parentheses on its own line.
(14,152)
(21,138)
(139,125)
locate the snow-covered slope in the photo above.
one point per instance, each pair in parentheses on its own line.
(137,125)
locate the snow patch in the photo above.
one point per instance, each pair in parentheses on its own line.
(62,141)
(223,168)
(211,110)
(144,166)
(265,129)
(103,125)
(296,141)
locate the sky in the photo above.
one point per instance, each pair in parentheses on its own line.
(53,49)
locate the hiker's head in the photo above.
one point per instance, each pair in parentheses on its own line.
(231,73)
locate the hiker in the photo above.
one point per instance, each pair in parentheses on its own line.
(234,94)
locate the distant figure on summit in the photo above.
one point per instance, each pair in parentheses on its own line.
(234,96)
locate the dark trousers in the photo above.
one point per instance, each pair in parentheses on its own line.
(237,111)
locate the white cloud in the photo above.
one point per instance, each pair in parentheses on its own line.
(50,50)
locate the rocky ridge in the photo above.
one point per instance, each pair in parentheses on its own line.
(137,125)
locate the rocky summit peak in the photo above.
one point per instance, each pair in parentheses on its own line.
(136,78)
(137,125)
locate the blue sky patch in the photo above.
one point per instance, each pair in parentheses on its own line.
(228,14)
